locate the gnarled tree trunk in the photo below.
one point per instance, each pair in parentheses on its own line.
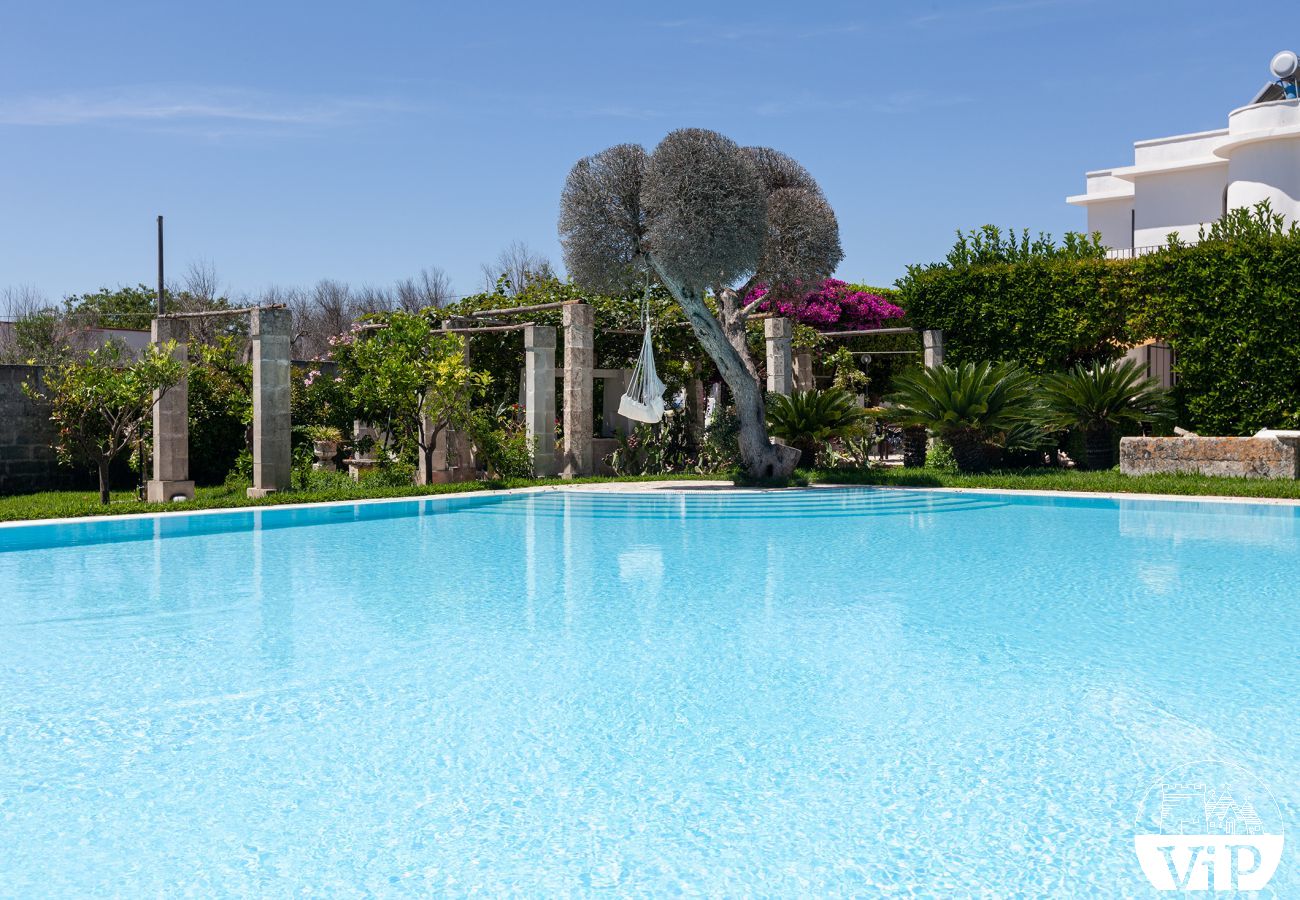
(762,458)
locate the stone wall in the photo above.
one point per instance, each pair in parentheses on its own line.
(1239,457)
(27,463)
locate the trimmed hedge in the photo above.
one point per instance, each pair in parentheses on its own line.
(1231,310)
(1229,306)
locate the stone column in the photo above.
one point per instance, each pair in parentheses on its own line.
(539,396)
(932,342)
(171,424)
(779,365)
(579,395)
(803,372)
(272,437)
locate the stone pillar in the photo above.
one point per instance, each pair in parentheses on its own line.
(932,342)
(539,397)
(171,424)
(779,365)
(803,372)
(272,437)
(579,395)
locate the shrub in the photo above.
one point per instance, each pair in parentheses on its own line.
(972,407)
(831,305)
(220,407)
(720,448)
(1098,400)
(501,443)
(389,473)
(809,420)
(331,433)
(1034,303)
(318,396)
(1229,306)
(660,449)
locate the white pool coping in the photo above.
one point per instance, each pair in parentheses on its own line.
(671,486)
(642,487)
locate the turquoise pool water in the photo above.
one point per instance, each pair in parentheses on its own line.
(800,693)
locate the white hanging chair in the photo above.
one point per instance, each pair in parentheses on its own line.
(643,401)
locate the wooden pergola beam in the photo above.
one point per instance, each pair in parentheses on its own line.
(486,329)
(521,310)
(865,332)
(213,313)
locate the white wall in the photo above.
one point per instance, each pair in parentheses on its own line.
(1181,183)
(1267,170)
(1179,201)
(1114,219)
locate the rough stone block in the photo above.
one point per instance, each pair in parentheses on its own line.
(1237,457)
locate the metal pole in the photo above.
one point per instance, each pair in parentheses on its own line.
(161,305)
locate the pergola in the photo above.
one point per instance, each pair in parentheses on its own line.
(269,331)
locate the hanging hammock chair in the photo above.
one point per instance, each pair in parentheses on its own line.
(643,401)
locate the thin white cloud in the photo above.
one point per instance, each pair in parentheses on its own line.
(176,106)
(992,10)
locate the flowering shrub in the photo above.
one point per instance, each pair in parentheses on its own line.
(835,306)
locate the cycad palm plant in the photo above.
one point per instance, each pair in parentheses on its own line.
(1100,399)
(970,407)
(808,420)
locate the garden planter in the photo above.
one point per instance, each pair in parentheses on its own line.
(325,451)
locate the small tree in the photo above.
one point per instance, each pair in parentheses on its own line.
(704,216)
(100,403)
(411,378)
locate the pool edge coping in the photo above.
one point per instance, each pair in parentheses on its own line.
(310,504)
(646,487)
(670,487)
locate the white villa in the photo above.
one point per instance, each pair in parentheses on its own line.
(1179,183)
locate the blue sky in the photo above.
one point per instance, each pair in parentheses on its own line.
(288,142)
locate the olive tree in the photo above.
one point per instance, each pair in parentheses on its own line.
(710,220)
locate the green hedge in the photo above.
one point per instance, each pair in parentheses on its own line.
(1232,313)
(1229,305)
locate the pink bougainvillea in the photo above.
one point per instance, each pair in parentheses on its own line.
(834,306)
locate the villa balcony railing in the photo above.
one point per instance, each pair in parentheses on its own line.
(1132,252)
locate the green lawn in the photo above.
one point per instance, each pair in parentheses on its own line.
(61,504)
(68,504)
(1071,480)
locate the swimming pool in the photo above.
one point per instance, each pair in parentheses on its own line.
(842,691)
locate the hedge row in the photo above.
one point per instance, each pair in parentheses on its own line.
(1229,305)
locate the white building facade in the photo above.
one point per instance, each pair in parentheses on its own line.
(1179,184)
